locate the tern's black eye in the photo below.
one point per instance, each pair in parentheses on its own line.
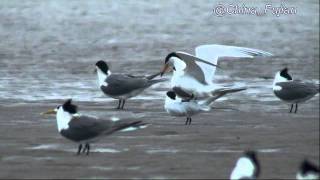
(173,68)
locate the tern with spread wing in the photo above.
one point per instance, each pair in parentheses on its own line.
(195,74)
(122,86)
(187,106)
(293,91)
(86,129)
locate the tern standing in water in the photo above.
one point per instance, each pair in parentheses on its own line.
(293,91)
(122,86)
(85,129)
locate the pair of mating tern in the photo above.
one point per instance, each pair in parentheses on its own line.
(248,167)
(193,89)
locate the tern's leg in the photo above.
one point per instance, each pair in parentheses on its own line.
(84,148)
(190,120)
(291,108)
(79,149)
(88,148)
(124,101)
(296,108)
(187,121)
(119,103)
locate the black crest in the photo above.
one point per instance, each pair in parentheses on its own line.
(306,167)
(171,95)
(69,107)
(170,55)
(103,66)
(253,156)
(284,73)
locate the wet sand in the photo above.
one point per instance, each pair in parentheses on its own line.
(32,148)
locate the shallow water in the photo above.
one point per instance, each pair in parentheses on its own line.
(52,57)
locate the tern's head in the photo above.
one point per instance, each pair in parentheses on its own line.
(64,114)
(247,167)
(284,73)
(168,62)
(308,170)
(172,95)
(67,107)
(103,67)
(282,76)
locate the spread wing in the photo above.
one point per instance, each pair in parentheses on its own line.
(211,53)
(192,67)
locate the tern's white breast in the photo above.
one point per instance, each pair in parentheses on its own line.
(244,168)
(63,119)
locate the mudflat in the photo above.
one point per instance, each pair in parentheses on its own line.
(31,146)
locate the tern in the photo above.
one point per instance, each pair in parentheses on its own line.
(122,86)
(293,91)
(84,129)
(188,106)
(247,167)
(309,171)
(195,74)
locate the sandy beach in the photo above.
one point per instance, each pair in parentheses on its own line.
(47,54)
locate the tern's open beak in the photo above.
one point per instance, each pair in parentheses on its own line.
(51,111)
(164,69)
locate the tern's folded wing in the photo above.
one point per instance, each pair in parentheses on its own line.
(122,84)
(85,127)
(296,90)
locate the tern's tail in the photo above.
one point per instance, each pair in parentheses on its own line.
(125,125)
(218,93)
(153,76)
(154,81)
